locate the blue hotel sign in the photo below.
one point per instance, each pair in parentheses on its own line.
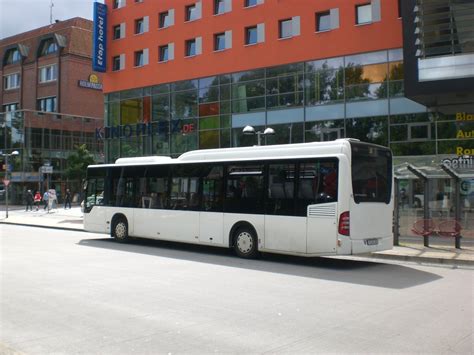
(99,55)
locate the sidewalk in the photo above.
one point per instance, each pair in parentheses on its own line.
(72,219)
(58,218)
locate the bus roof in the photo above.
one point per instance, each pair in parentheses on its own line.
(282,151)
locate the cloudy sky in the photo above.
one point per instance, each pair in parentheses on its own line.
(17,16)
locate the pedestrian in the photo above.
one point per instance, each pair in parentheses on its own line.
(67,199)
(37,200)
(46,199)
(53,199)
(29,200)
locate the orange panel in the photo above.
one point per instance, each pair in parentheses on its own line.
(348,39)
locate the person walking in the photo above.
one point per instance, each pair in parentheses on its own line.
(37,200)
(46,199)
(67,199)
(29,200)
(53,199)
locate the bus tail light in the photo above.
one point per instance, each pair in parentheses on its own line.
(344,223)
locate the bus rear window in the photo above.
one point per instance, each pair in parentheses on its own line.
(371,173)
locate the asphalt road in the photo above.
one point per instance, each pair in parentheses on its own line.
(74,292)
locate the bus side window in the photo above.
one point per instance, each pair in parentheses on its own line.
(317,183)
(245,191)
(184,188)
(158,186)
(281,184)
(212,186)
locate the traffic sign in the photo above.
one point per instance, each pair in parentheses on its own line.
(6,182)
(46,169)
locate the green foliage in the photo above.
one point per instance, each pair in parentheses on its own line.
(77,163)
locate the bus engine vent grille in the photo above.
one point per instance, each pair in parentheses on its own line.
(322,211)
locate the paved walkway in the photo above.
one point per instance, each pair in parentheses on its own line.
(72,219)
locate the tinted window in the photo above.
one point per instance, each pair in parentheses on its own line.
(281,189)
(212,189)
(317,183)
(94,189)
(371,173)
(153,187)
(124,186)
(244,190)
(184,194)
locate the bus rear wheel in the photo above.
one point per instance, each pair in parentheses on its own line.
(120,230)
(246,243)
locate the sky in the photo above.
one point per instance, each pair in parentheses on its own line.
(17,16)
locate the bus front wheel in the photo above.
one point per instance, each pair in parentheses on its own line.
(246,243)
(120,230)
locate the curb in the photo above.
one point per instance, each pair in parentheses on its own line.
(40,226)
(423,260)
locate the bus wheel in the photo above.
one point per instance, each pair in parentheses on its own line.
(120,230)
(245,243)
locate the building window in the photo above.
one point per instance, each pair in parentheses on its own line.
(138,1)
(219,7)
(163,53)
(285,28)
(11,81)
(117,4)
(118,31)
(164,19)
(190,47)
(11,107)
(48,46)
(191,13)
(399,8)
(47,74)
(139,59)
(219,41)
(249,3)
(139,26)
(363,14)
(116,63)
(323,21)
(47,104)
(12,56)
(251,36)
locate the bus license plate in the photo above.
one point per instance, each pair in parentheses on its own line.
(373,241)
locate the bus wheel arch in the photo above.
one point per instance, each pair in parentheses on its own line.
(119,230)
(243,239)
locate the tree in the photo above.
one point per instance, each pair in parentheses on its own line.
(78,162)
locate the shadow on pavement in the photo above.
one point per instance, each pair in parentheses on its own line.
(370,273)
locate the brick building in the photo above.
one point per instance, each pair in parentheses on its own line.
(51,101)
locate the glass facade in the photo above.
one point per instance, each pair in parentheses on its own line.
(358,96)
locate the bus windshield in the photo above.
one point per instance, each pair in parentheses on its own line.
(371,173)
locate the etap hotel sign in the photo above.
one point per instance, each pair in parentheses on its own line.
(144,129)
(100,38)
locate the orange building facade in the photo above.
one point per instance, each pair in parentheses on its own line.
(310,44)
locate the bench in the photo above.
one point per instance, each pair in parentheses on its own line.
(444,228)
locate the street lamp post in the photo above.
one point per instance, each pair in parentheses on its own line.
(249,130)
(6,181)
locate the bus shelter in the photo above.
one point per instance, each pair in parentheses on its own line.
(433,202)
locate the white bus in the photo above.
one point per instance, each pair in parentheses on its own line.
(310,199)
